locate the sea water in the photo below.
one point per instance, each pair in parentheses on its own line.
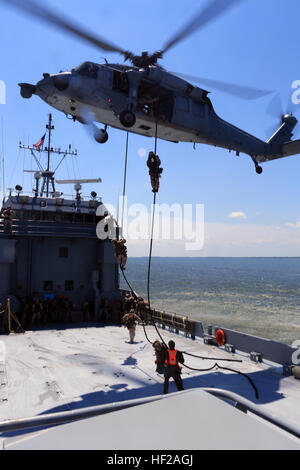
(259,296)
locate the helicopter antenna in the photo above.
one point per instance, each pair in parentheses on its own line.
(47,175)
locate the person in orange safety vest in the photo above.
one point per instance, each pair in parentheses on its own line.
(172,367)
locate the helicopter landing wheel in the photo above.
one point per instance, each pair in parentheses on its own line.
(259,170)
(127,118)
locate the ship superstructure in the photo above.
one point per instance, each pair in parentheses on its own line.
(52,248)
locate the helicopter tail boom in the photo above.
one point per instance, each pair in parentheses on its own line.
(291,148)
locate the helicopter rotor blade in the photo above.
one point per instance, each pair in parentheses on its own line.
(49,16)
(212,10)
(275,108)
(240,91)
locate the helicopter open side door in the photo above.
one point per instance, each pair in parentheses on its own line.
(155,101)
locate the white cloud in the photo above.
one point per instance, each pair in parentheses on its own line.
(237,215)
(228,240)
(291,225)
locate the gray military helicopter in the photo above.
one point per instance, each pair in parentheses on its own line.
(145,99)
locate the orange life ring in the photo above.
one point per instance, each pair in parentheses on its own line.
(220,337)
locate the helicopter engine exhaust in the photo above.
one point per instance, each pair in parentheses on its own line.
(100,135)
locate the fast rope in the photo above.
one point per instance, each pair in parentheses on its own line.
(216,365)
(151,245)
(122,220)
(212,358)
(231,370)
(124,182)
(135,296)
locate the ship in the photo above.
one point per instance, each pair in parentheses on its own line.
(77,382)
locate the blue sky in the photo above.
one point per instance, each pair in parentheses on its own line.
(255,44)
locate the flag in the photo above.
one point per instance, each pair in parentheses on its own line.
(39,144)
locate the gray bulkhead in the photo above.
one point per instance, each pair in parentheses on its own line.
(47,257)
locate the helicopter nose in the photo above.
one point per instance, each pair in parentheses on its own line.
(50,83)
(45,86)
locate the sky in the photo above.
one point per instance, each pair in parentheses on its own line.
(255,44)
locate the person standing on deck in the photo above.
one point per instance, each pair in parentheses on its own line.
(6,214)
(173,369)
(160,353)
(129,321)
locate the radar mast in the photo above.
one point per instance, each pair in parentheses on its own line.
(46,174)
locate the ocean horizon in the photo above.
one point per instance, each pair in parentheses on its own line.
(255,295)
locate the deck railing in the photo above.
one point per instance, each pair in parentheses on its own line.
(50,229)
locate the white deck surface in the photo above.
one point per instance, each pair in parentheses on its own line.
(45,371)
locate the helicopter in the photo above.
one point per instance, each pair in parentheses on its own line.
(144,98)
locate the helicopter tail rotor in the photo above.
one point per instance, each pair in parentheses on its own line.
(283,115)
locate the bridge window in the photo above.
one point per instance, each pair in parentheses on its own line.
(48,286)
(69,285)
(79,218)
(68,217)
(63,252)
(89,218)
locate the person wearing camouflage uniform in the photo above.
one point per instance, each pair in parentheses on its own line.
(6,214)
(155,171)
(121,252)
(129,320)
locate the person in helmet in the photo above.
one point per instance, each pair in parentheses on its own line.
(160,353)
(155,171)
(120,252)
(6,214)
(172,367)
(129,320)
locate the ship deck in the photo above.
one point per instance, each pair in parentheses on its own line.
(67,368)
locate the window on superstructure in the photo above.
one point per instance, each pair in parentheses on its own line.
(36,216)
(68,217)
(79,218)
(48,286)
(63,252)
(69,285)
(89,218)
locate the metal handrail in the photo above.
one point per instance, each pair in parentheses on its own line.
(73,415)
(245,405)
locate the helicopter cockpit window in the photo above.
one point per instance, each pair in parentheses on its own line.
(88,70)
(120,82)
